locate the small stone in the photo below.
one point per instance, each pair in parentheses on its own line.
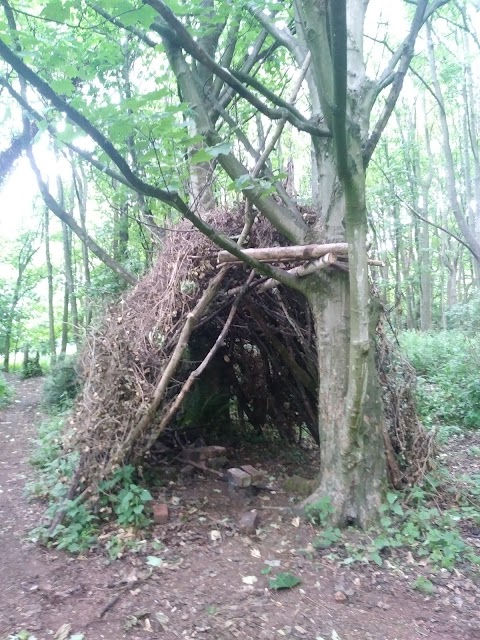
(187,471)
(239,478)
(169,473)
(383,605)
(257,476)
(248,523)
(160,513)
(218,463)
(341,596)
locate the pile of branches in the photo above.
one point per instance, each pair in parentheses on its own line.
(190,320)
(141,365)
(410,448)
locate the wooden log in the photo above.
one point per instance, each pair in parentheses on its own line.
(303,270)
(373,262)
(286,254)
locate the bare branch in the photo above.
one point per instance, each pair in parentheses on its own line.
(196,51)
(141,35)
(408,48)
(282,36)
(70,221)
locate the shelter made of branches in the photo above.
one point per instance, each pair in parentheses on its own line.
(162,361)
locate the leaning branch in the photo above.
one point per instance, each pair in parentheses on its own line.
(194,375)
(397,84)
(437,226)
(196,51)
(169,197)
(70,221)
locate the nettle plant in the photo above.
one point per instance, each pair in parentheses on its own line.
(119,497)
(410,522)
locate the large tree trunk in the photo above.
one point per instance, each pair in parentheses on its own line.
(351,418)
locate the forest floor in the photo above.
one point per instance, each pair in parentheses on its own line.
(198,585)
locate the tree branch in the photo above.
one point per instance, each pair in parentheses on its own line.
(408,48)
(141,35)
(70,221)
(184,39)
(338,35)
(434,224)
(282,36)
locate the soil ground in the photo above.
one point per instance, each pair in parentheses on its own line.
(199,591)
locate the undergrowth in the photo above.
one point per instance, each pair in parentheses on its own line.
(61,385)
(5,392)
(120,498)
(426,523)
(448,376)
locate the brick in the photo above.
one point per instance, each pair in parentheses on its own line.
(248,523)
(257,476)
(239,478)
(160,513)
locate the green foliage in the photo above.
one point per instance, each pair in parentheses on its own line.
(79,531)
(128,500)
(424,585)
(5,391)
(31,369)
(465,317)
(120,496)
(319,512)
(327,538)
(448,369)
(419,526)
(283,581)
(48,445)
(61,385)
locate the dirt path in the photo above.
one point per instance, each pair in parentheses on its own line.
(199,590)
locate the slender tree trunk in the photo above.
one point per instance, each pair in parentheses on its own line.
(68,266)
(9,327)
(51,315)
(65,326)
(81,189)
(467,231)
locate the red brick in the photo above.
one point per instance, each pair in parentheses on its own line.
(257,476)
(160,513)
(239,478)
(248,523)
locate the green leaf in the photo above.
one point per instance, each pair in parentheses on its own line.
(153,561)
(204,155)
(56,10)
(376,557)
(284,581)
(392,498)
(64,86)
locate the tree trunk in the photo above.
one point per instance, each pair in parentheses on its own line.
(51,315)
(81,188)
(351,417)
(64,340)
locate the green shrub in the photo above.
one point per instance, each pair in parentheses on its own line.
(61,386)
(448,369)
(465,316)
(5,392)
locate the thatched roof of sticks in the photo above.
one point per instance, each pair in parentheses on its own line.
(255,345)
